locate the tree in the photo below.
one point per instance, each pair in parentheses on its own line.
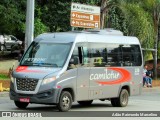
(153,7)
(12,14)
(132,19)
(39,26)
(56,15)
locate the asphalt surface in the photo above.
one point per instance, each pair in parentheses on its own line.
(148,101)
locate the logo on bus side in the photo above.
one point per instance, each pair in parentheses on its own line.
(116,75)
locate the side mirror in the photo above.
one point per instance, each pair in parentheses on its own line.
(74,60)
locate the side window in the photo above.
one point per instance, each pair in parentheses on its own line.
(98,54)
(127,55)
(105,54)
(13,38)
(137,58)
(131,55)
(80,56)
(114,55)
(85,54)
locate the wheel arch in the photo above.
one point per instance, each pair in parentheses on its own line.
(68,89)
(127,87)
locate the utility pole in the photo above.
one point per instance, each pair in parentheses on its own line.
(29,33)
(155,57)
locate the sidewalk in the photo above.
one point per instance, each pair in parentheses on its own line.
(153,89)
(4,94)
(7,64)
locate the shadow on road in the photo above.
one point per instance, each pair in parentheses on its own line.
(49,108)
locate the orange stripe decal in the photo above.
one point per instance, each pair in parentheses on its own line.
(125,77)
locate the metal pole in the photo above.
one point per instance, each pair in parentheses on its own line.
(72,28)
(29,33)
(155,58)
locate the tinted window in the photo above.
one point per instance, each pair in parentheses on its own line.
(104,54)
(131,55)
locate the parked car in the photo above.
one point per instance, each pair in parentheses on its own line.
(11,42)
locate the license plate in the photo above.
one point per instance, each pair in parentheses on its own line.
(24,100)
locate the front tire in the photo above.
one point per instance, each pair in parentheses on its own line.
(85,103)
(122,100)
(65,101)
(21,105)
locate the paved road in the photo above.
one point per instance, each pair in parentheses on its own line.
(148,101)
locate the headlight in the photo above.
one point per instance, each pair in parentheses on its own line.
(20,42)
(12,79)
(48,80)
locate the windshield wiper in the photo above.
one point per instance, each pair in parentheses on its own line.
(45,64)
(26,64)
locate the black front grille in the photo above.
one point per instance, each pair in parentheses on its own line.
(27,84)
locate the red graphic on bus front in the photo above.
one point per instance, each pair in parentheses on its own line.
(25,69)
(125,77)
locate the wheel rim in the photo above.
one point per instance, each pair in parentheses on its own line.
(124,98)
(65,102)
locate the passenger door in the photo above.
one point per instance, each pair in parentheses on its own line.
(81,52)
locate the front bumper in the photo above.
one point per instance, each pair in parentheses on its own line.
(45,97)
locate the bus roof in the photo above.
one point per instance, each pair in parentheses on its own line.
(82,36)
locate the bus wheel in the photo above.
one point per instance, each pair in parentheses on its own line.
(85,103)
(122,100)
(65,101)
(21,105)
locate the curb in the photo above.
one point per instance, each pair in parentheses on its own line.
(153,89)
(4,94)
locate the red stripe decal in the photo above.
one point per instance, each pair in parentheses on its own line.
(25,69)
(125,77)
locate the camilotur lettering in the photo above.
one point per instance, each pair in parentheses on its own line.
(104,76)
(116,75)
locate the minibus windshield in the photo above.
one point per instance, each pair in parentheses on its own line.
(46,54)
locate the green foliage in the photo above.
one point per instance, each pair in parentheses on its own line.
(133,21)
(88,2)
(39,26)
(140,24)
(12,16)
(3,77)
(56,15)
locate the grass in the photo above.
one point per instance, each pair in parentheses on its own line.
(4,77)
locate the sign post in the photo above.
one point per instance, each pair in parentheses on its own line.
(85,16)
